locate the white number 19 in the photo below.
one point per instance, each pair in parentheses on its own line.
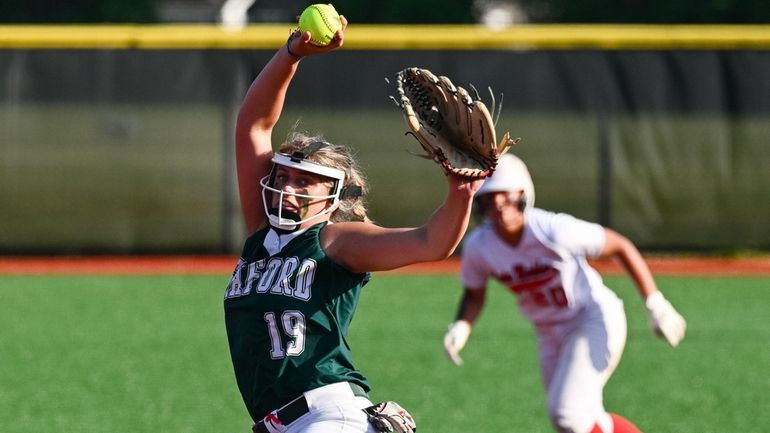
(293,324)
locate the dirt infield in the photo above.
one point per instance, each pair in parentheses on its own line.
(223,265)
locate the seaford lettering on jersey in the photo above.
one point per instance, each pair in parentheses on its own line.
(273,276)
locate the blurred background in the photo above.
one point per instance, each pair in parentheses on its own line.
(116,117)
(392,12)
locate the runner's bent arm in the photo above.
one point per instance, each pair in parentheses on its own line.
(617,245)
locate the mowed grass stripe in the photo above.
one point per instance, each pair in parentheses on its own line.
(149,354)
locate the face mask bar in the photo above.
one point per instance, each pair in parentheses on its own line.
(287,220)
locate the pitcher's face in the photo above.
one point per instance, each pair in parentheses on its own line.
(302,192)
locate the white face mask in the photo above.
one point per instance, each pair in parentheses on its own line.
(288,220)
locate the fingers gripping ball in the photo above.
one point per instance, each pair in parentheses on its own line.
(322,21)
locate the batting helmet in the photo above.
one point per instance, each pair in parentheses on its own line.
(511,175)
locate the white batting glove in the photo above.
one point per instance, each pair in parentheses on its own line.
(664,319)
(455,340)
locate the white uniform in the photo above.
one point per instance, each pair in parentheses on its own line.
(580,323)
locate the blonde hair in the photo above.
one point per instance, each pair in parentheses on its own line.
(351,207)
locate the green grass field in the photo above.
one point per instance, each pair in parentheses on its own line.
(148,354)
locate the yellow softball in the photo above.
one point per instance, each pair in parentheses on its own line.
(322,21)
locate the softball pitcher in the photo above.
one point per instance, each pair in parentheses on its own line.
(309,251)
(580,323)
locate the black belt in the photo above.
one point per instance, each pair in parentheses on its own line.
(298,407)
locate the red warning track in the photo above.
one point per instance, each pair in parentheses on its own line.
(759,266)
(223,265)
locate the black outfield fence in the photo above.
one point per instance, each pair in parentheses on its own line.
(119,139)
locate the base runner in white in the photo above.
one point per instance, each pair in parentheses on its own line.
(580,323)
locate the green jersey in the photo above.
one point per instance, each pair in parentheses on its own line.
(287,312)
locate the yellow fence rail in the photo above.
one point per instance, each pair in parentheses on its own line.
(393,37)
